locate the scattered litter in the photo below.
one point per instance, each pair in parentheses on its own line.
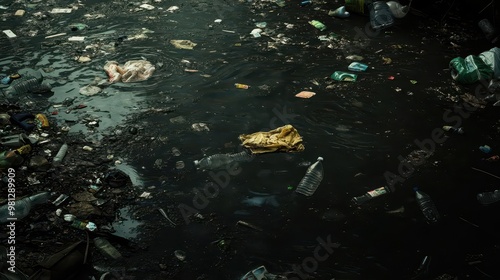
(391,78)
(87,148)
(172,9)
(281,139)
(386,60)
(356,66)
(183,44)
(61,11)
(319,25)
(76,39)
(145,195)
(344,76)
(19,13)
(218,20)
(200,127)
(55,35)
(9,33)
(340,12)
(147,7)
(131,71)
(180,255)
(243,223)
(166,217)
(413,82)
(354,57)
(261,24)
(241,86)
(228,31)
(305,94)
(256,32)
(485,149)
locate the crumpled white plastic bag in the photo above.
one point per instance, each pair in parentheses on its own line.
(131,71)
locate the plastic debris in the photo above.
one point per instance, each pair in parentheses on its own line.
(200,127)
(340,12)
(354,57)
(344,76)
(356,66)
(241,86)
(180,255)
(183,44)
(131,71)
(9,33)
(319,25)
(485,149)
(281,139)
(61,11)
(147,7)
(256,32)
(305,94)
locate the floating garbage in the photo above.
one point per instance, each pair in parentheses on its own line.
(344,76)
(340,12)
(131,71)
(356,66)
(319,25)
(281,139)
(305,94)
(183,44)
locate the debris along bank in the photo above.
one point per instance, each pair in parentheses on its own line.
(73,126)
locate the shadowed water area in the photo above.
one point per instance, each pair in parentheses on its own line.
(362,129)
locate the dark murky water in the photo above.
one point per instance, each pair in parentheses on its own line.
(359,127)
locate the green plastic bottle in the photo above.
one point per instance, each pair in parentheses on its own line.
(319,25)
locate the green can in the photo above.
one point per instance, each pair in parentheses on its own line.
(344,76)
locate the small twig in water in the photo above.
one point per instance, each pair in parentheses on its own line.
(166,217)
(243,223)
(477,169)
(468,222)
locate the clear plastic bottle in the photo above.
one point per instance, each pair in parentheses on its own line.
(106,248)
(22,207)
(28,84)
(358,200)
(310,182)
(61,153)
(427,206)
(488,197)
(218,161)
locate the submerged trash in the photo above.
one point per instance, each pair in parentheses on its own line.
(281,139)
(340,12)
(261,273)
(166,217)
(453,129)
(241,86)
(19,209)
(305,94)
(427,206)
(221,161)
(60,154)
(243,223)
(180,255)
(311,180)
(344,76)
(200,127)
(486,198)
(380,15)
(131,71)
(358,200)
(319,25)
(356,66)
(398,10)
(106,248)
(485,149)
(183,44)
